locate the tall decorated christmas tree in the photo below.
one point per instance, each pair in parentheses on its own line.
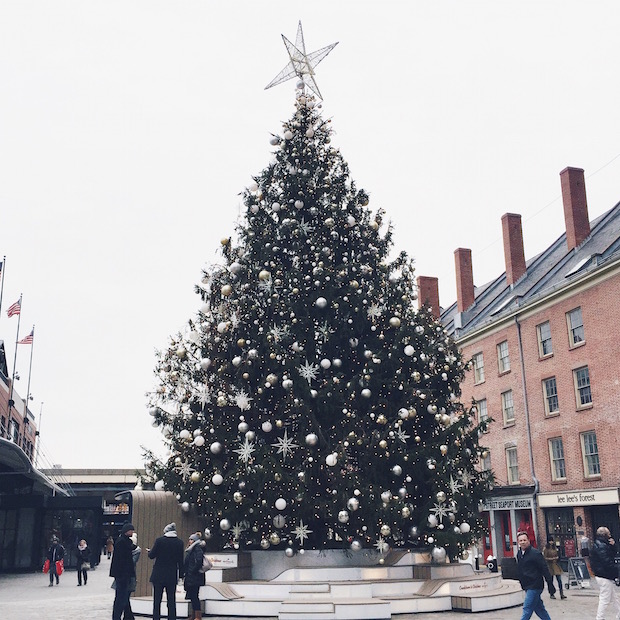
(308,403)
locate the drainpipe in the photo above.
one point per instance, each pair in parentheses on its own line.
(528,429)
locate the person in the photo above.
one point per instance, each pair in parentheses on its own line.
(605,572)
(168,568)
(551,555)
(55,553)
(83,559)
(109,546)
(193,577)
(123,569)
(135,556)
(532,569)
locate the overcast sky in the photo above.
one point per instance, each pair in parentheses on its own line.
(128,130)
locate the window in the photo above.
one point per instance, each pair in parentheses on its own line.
(575,327)
(556,453)
(583,394)
(550,394)
(485,461)
(508,408)
(589,450)
(478,361)
(544,339)
(512,466)
(503,360)
(483,414)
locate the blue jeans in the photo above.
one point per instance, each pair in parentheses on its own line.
(533,605)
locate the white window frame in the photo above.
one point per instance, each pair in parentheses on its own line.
(512,465)
(556,458)
(583,391)
(542,340)
(591,460)
(508,408)
(478,363)
(503,357)
(574,322)
(549,397)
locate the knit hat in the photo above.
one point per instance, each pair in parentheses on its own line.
(127,527)
(171,527)
(194,537)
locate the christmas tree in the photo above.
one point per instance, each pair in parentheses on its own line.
(309,404)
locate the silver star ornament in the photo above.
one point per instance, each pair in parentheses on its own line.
(301,64)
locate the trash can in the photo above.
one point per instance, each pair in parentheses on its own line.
(509,568)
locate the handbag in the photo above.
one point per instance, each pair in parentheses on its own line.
(60,566)
(46,566)
(85,565)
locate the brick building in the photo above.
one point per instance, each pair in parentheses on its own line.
(543,340)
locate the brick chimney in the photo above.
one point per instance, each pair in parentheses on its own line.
(513,247)
(575,206)
(464,279)
(428,294)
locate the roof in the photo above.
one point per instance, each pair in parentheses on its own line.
(18,473)
(554,269)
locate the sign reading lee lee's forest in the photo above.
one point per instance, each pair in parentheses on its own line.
(579,498)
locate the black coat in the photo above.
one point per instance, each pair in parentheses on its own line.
(122,566)
(532,569)
(82,555)
(55,553)
(168,555)
(193,564)
(602,560)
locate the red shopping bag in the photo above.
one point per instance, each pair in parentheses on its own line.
(60,566)
(46,566)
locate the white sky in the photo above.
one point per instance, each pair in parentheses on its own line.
(128,129)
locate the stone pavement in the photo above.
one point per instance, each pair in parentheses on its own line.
(28,597)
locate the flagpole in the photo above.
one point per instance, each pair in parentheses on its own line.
(2,283)
(29,375)
(19,318)
(38,437)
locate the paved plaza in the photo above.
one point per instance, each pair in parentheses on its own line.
(28,597)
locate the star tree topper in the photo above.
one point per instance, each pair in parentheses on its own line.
(301,64)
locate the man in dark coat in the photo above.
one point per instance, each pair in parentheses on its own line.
(55,553)
(168,568)
(123,570)
(532,569)
(605,571)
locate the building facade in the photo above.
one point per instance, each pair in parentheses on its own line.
(542,341)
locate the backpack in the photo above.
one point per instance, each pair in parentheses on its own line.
(206,564)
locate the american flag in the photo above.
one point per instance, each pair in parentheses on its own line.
(28,339)
(16,308)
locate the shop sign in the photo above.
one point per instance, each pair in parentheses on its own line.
(507,503)
(579,498)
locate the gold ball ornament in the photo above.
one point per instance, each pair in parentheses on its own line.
(264,275)
(226,290)
(395,321)
(225,241)
(195,477)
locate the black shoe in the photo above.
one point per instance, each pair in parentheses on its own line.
(51,585)
(553,596)
(79,584)
(562,596)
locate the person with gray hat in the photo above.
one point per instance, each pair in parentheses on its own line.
(194,577)
(168,568)
(122,568)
